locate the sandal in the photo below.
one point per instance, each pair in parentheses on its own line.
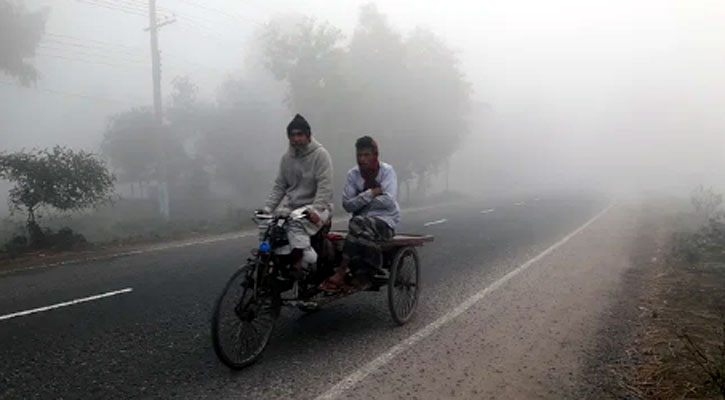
(334,285)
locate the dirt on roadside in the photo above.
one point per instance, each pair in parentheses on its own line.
(663,337)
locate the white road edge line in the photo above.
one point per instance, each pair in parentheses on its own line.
(177,245)
(490,210)
(356,377)
(440,221)
(65,304)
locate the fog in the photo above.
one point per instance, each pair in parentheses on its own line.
(617,96)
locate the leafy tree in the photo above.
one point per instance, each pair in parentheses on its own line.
(311,59)
(409,92)
(20,33)
(60,178)
(242,144)
(440,99)
(308,56)
(226,141)
(187,115)
(129,145)
(382,105)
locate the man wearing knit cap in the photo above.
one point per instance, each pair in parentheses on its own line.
(304,180)
(370,195)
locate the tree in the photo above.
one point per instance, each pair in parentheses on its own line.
(60,178)
(20,33)
(242,143)
(310,58)
(187,115)
(408,93)
(439,97)
(189,119)
(383,106)
(129,145)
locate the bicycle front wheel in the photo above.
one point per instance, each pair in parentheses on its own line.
(242,323)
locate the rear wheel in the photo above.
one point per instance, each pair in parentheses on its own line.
(404,285)
(243,323)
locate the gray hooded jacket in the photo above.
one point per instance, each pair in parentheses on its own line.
(304,178)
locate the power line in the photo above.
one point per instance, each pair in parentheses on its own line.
(91,44)
(112,7)
(199,26)
(207,26)
(81,40)
(88,52)
(91,47)
(116,6)
(140,5)
(218,11)
(67,94)
(85,61)
(190,25)
(131,3)
(130,9)
(197,22)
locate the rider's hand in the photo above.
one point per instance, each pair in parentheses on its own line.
(377,191)
(265,210)
(313,217)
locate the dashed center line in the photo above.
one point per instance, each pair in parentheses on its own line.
(520,203)
(65,304)
(490,210)
(440,221)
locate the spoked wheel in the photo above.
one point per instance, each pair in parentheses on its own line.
(242,324)
(403,285)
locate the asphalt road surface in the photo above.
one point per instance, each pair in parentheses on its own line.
(139,326)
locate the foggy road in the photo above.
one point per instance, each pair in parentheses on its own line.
(148,127)
(138,326)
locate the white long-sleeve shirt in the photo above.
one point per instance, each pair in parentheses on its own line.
(358,201)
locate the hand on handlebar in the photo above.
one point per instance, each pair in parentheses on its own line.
(263,213)
(312,216)
(377,191)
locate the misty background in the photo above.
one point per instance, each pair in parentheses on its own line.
(620,97)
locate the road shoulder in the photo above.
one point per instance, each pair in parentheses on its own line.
(531,338)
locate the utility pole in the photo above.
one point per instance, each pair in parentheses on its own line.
(153,29)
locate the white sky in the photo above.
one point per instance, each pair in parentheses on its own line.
(632,75)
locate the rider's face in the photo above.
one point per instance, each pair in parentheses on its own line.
(297,137)
(365,158)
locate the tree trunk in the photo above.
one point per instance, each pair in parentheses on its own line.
(423,184)
(36,237)
(407,190)
(448,171)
